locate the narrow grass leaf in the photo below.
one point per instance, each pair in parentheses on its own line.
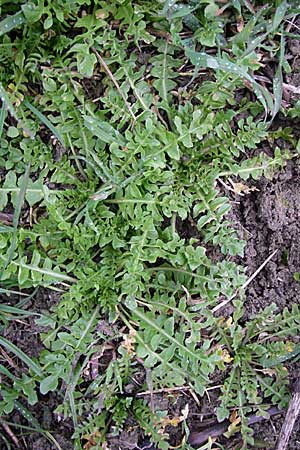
(277,90)
(27,415)
(9,291)
(21,355)
(35,425)
(2,117)
(201,59)
(42,118)
(17,311)
(103,130)
(279,15)
(27,298)
(272,362)
(16,217)
(7,373)
(3,438)
(5,229)
(278,80)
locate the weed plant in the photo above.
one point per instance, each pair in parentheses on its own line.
(120,123)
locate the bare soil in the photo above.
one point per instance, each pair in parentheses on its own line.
(269,219)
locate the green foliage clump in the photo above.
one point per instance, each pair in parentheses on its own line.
(106,166)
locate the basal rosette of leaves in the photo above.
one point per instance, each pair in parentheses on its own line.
(109,198)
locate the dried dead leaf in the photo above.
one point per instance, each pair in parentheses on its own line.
(226,356)
(240,23)
(229,322)
(290,346)
(91,440)
(129,341)
(270,372)
(242,189)
(234,425)
(176,420)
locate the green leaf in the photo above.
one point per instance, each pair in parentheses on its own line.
(48,23)
(296,276)
(181,11)
(7,373)
(16,311)
(12,132)
(185,135)
(103,130)
(54,276)
(48,384)
(279,15)
(11,22)
(86,64)
(35,192)
(211,10)
(278,81)
(32,12)
(222,413)
(2,118)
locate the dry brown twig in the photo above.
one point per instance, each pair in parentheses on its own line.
(197,438)
(250,279)
(10,433)
(290,418)
(8,359)
(110,74)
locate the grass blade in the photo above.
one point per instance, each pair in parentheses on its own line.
(9,291)
(27,298)
(5,440)
(103,130)
(201,59)
(17,212)
(278,81)
(2,117)
(42,118)
(277,90)
(279,15)
(13,310)
(21,355)
(35,425)
(6,372)
(5,229)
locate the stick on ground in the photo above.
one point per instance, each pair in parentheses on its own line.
(109,73)
(250,279)
(290,418)
(197,438)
